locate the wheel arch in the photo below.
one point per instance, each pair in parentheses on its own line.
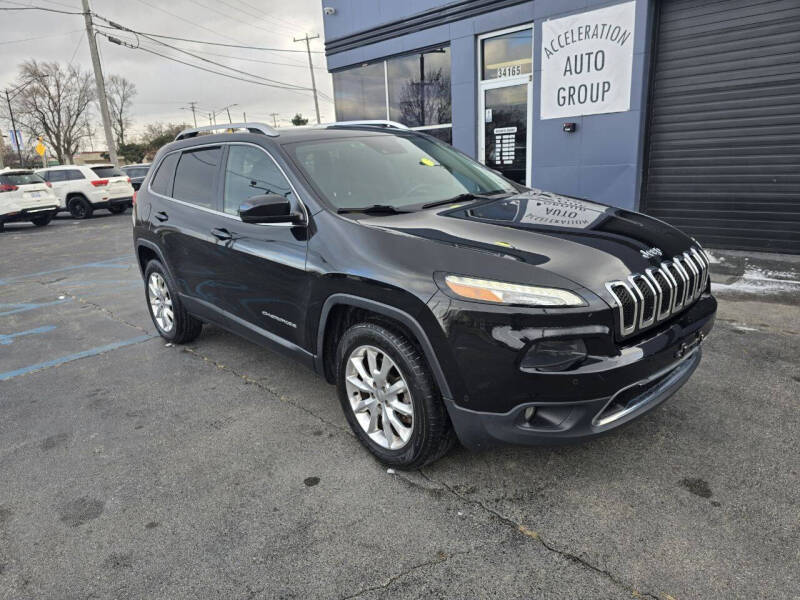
(410,326)
(147,251)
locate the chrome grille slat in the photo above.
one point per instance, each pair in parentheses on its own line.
(643,300)
(694,275)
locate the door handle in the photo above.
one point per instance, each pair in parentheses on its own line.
(221,234)
(162,216)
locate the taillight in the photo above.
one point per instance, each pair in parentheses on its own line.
(48,184)
(129,179)
(7,187)
(134,197)
(100,182)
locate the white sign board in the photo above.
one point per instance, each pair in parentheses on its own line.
(587,61)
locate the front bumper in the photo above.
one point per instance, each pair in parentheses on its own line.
(560,423)
(609,389)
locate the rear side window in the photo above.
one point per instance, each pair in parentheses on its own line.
(136,171)
(195,177)
(56,176)
(162,182)
(108,172)
(20,179)
(73,175)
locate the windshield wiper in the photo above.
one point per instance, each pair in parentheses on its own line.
(463,198)
(375,209)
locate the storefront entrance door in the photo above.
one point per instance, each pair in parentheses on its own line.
(506,100)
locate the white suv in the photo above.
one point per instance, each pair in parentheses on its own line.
(81,189)
(24,196)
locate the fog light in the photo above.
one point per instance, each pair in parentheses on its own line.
(554,355)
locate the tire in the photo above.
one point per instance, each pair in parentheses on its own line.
(42,221)
(117,209)
(2,226)
(80,208)
(183,328)
(431,433)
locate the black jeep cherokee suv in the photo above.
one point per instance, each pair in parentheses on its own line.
(442,300)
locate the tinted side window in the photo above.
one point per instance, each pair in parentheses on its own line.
(73,175)
(55,176)
(251,172)
(162,182)
(195,176)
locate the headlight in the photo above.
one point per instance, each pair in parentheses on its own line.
(511,293)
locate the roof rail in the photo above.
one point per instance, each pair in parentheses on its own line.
(373,122)
(250,127)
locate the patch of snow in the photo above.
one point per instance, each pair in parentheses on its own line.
(713,259)
(758,281)
(744,328)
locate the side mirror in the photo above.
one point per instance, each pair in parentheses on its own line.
(270,208)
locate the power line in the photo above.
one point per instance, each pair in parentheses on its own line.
(256,60)
(42,8)
(180,39)
(149,51)
(232,18)
(277,83)
(41,37)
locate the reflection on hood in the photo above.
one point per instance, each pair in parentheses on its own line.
(537,207)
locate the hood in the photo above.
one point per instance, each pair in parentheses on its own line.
(585,242)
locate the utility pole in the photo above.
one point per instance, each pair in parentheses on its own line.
(307,40)
(229,115)
(244,117)
(101,85)
(274,119)
(14,130)
(192,106)
(210,122)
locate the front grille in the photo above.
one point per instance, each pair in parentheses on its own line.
(646,299)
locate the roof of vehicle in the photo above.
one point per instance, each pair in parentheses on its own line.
(10,171)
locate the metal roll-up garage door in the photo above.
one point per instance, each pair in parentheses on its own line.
(723,145)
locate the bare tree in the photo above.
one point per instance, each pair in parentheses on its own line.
(120,93)
(54,105)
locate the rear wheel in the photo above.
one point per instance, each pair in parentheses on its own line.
(389,397)
(80,208)
(166,309)
(42,221)
(117,209)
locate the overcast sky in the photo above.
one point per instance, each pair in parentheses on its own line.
(164,87)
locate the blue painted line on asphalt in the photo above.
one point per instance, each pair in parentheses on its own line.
(69,358)
(26,306)
(103,264)
(6,339)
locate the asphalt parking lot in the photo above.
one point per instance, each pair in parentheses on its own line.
(134,469)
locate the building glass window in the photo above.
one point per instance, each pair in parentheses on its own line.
(360,93)
(508,55)
(419,88)
(418,93)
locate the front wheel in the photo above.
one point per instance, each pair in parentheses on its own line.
(42,221)
(169,316)
(389,397)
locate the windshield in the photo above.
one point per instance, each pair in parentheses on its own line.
(108,172)
(392,171)
(20,178)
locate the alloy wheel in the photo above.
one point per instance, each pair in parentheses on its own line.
(379,397)
(160,302)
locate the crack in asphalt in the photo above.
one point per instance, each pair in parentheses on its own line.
(393,578)
(520,528)
(251,381)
